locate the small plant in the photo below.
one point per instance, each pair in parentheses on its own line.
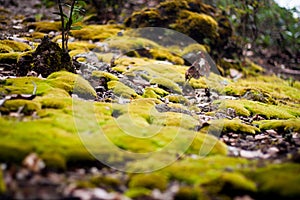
(68,21)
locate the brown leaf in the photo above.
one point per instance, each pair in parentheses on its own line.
(199,68)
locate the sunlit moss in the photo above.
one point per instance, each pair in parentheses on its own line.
(272,85)
(2,184)
(122,90)
(25,106)
(149,181)
(71,83)
(166,84)
(96,32)
(198,26)
(281,125)
(15,46)
(278,181)
(11,57)
(45,26)
(108,76)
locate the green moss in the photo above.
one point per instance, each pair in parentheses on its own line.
(56,103)
(237,126)
(28,107)
(108,76)
(45,26)
(2,184)
(5,48)
(195,48)
(204,169)
(71,83)
(11,57)
(154,93)
(15,46)
(277,181)
(229,184)
(281,125)
(107,182)
(269,85)
(127,44)
(198,26)
(149,181)
(54,160)
(81,45)
(96,32)
(144,18)
(164,54)
(188,193)
(178,99)
(76,52)
(137,192)
(250,108)
(37,35)
(122,90)
(166,84)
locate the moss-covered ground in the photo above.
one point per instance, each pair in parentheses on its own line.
(53,123)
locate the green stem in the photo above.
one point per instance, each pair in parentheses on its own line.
(62,24)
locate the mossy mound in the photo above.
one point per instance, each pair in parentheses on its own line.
(282,126)
(246,67)
(122,90)
(166,84)
(149,181)
(197,26)
(72,83)
(156,93)
(277,181)
(189,193)
(96,32)
(23,106)
(101,74)
(15,46)
(265,87)
(11,57)
(236,126)
(198,20)
(250,108)
(45,26)
(136,193)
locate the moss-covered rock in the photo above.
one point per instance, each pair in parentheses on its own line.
(49,57)
(149,181)
(198,26)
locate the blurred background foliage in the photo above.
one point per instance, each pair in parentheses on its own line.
(261,27)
